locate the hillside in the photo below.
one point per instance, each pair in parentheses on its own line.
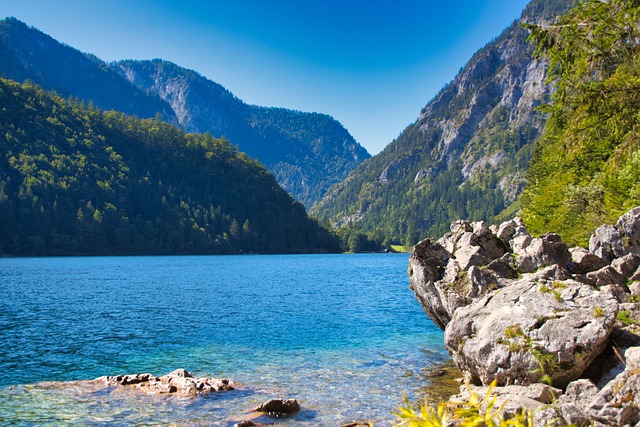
(75,180)
(465,156)
(307,152)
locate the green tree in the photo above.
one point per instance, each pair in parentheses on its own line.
(580,175)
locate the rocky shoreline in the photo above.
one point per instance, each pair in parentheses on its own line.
(556,327)
(182,383)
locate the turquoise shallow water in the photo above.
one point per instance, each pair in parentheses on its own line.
(343,334)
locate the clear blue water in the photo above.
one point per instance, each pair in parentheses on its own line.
(343,334)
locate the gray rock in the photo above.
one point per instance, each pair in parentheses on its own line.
(506,230)
(502,268)
(472,244)
(634,288)
(607,243)
(469,253)
(427,267)
(446,274)
(584,261)
(551,273)
(548,416)
(629,225)
(508,334)
(619,292)
(513,398)
(606,276)
(573,404)
(618,402)
(627,265)
(543,251)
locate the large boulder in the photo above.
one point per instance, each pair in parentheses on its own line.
(530,329)
(472,260)
(610,242)
(426,270)
(464,264)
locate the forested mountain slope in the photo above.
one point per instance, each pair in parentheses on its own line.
(307,152)
(467,153)
(75,180)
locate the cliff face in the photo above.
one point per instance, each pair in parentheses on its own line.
(466,154)
(521,310)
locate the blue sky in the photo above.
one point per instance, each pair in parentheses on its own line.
(370,64)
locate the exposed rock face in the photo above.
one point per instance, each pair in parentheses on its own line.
(510,335)
(179,381)
(518,309)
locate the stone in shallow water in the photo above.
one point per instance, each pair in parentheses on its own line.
(179,381)
(279,407)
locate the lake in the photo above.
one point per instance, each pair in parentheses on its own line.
(342,334)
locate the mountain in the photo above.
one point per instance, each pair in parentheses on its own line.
(465,156)
(307,152)
(75,180)
(28,54)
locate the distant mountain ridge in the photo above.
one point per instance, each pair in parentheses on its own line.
(28,54)
(307,152)
(467,153)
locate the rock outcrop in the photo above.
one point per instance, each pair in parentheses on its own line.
(521,309)
(180,382)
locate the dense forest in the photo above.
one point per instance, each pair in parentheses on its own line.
(77,180)
(586,169)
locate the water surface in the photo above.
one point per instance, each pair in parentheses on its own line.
(343,334)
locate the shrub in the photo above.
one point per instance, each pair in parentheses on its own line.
(471,412)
